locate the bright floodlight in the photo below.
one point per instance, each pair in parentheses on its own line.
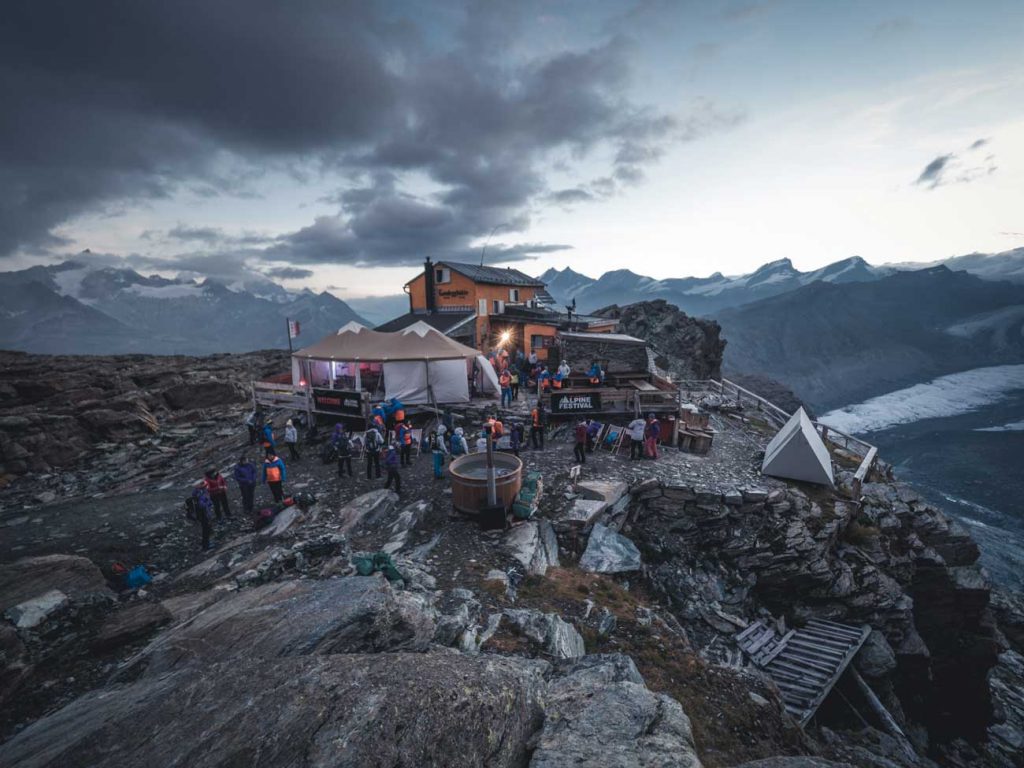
(505,336)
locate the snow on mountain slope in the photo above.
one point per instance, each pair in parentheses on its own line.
(945,396)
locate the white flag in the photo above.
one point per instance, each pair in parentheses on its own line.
(293,329)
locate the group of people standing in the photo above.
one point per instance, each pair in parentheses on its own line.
(644,435)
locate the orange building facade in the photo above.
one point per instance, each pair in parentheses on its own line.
(491,308)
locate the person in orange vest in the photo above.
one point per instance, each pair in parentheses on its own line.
(274,475)
(538,418)
(505,381)
(405,443)
(497,428)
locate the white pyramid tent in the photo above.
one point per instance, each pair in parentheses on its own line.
(797,452)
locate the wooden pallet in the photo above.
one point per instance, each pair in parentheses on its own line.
(805,663)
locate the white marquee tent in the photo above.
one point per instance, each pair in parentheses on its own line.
(797,452)
(403,364)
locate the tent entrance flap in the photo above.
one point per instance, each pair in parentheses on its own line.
(408,381)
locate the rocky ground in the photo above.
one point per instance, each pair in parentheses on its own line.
(598,633)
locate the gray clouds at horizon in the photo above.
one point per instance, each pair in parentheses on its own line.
(133,101)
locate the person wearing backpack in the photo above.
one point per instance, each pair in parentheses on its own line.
(438,451)
(274,475)
(344,448)
(268,438)
(373,444)
(245,476)
(217,487)
(199,508)
(459,445)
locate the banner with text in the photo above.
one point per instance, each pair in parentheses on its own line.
(346,402)
(569,402)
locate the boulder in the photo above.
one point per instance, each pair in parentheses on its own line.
(583,512)
(30,577)
(876,657)
(36,610)
(295,618)
(548,631)
(128,625)
(367,508)
(601,713)
(281,523)
(608,491)
(534,545)
(344,711)
(609,552)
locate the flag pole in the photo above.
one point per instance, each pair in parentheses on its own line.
(288,333)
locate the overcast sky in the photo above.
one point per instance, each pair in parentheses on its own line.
(335,145)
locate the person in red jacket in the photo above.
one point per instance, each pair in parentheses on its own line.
(580,449)
(217,487)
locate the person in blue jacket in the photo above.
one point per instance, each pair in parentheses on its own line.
(268,438)
(274,475)
(245,476)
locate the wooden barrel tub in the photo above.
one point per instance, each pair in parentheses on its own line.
(469,481)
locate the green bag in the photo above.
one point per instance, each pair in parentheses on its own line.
(366,565)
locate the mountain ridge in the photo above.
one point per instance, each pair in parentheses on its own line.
(74,308)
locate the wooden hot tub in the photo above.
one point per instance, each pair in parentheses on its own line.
(469,481)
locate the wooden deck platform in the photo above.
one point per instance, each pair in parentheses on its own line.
(805,663)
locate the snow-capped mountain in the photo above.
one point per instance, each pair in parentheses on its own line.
(74,307)
(700,295)
(1007,265)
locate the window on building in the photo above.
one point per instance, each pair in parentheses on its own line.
(536,341)
(497,306)
(513,294)
(482,308)
(443,275)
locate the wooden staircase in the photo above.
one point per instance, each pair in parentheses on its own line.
(805,663)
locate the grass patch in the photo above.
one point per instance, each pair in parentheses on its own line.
(728,727)
(860,533)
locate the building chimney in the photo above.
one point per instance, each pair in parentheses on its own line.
(428,284)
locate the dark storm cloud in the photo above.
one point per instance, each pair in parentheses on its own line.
(128,101)
(954,169)
(201,234)
(289,273)
(574,195)
(931,176)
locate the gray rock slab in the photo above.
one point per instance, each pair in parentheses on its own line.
(534,544)
(343,711)
(609,552)
(294,618)
(600,715)
(35,611)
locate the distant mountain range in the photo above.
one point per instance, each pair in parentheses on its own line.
(836,344)
(711,295)
(73,308)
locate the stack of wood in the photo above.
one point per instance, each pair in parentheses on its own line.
(695,434)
